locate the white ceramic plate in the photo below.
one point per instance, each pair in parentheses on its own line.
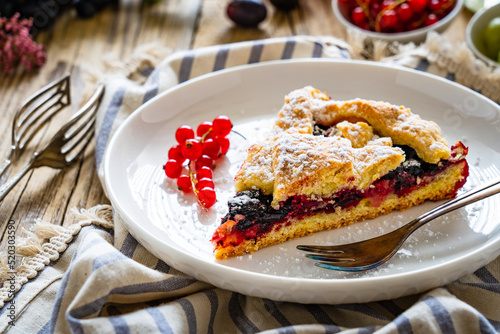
(175,229)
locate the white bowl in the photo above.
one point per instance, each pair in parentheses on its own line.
(340,9)
(475,28)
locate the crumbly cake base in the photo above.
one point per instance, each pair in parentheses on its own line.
(441,186)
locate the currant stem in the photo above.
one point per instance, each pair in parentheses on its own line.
(193,185)
(383,11)
(239,134)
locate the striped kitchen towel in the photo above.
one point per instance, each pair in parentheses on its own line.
(94,277)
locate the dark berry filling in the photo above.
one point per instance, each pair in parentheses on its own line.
(254,216)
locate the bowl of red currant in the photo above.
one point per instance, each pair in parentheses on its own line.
(396,20)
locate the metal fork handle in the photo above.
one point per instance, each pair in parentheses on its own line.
(7,186)
(474,195)
(7,162)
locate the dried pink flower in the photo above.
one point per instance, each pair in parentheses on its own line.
(17,46)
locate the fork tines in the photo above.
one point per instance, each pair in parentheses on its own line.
(35,112)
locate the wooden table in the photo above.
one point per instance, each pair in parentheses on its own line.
(79,46)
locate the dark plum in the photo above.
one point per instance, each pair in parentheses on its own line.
(85,9)
(246,13)
(285,5)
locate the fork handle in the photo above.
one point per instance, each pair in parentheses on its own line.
(474,195)
(7,186)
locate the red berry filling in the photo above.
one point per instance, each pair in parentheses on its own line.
(251,216)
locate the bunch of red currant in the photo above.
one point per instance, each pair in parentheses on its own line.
(191,161)
(397,15)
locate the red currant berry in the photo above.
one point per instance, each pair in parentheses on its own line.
(434,5)
(184,183)
(389,19)
(221,126)
(223,143)
(191,149)
(204,172)
(203,128)
(404,12)
(207,197)
(374,8)
(431,19)
(203,161)
(358,15)
(211,148)
(418,5)
(205,182)
(173,169)
(175,153)
(386,4)
(184,133)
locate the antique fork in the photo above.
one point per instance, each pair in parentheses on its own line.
(371,253)
(66,145)
(35,112)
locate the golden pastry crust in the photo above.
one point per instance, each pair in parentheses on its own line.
(359,133)
(256,171)
(307,106)
(317,166)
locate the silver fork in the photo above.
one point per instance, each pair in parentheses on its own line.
(35,112)
(66,145)
(371,253)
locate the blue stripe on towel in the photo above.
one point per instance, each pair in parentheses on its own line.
(45,329)
(86,310)
(119,324)
(107,124)
(485,327)
(276,313)
(162,266)
(319,314)
(190,315)
(75,326)
(170,284)
(441,314)
(214,306)
(106,259)
(331,329)
(364,309)
(256,52)
(288,50)
(220,59)
(391,306)
(485,275)
(286,330)
(152,88)
(495,325)
(160,320)
(403,324)
(423,65)
(239,318)
(450,76)
(366,330)
(186,66)
(129,246)
(492,287)
(318,50)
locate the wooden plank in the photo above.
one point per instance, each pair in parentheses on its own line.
(76,45)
